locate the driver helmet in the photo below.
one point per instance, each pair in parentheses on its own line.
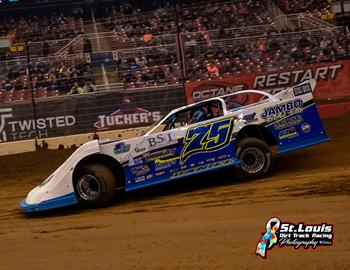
(197,116)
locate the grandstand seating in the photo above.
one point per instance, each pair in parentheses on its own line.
(153,45)
(297,6)
(57,25)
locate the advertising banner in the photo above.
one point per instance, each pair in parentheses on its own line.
(75,114)
(333,81)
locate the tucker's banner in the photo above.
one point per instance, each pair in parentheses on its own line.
(333,81)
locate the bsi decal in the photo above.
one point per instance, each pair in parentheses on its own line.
(161,140)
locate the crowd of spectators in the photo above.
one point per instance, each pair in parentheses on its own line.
(297,6)
(267,54)
(56,25)
(157,23)
(222,15)
(167,19)
(49,78)
(151,76)
(147,35)
(149,66)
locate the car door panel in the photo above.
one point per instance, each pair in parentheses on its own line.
(181,152)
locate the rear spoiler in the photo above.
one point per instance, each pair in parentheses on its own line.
(297,90)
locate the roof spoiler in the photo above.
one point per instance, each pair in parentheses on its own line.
(300,89)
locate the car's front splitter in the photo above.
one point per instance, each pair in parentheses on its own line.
(69,199)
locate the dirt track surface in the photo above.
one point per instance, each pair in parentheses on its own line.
(210,222)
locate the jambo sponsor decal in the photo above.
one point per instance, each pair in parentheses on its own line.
(279,111)
(30,128)
(294,235)
(288,122)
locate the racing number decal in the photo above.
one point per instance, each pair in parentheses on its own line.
(208,137)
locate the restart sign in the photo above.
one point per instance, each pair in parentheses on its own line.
(332,82)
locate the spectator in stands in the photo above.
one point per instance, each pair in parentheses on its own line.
(45,49)
(7,85)
(324,43)
(213,70)
(141,60)
(134,66)
(261,48)
(159,75)
(274,45)
(304,42)
(89,87)
(76,89)
(147,37)
(270,67)
(190,42)
(322,57)
(87,47)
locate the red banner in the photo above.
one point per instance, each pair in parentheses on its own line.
(333,81)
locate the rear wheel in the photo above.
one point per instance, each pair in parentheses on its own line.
(256,158)
(95,185)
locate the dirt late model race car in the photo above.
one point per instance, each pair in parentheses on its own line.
(238,130)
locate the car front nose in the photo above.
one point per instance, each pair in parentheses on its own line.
(65,200)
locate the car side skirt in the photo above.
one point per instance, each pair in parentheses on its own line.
(233,163)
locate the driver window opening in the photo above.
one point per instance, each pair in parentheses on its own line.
(196,114)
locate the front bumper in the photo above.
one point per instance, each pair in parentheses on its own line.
(69,199)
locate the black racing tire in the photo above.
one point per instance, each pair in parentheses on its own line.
(95,186)
(256,159)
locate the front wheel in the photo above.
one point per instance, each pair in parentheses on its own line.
(255,157)
(95,185)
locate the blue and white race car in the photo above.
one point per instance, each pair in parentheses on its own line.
(238,129)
